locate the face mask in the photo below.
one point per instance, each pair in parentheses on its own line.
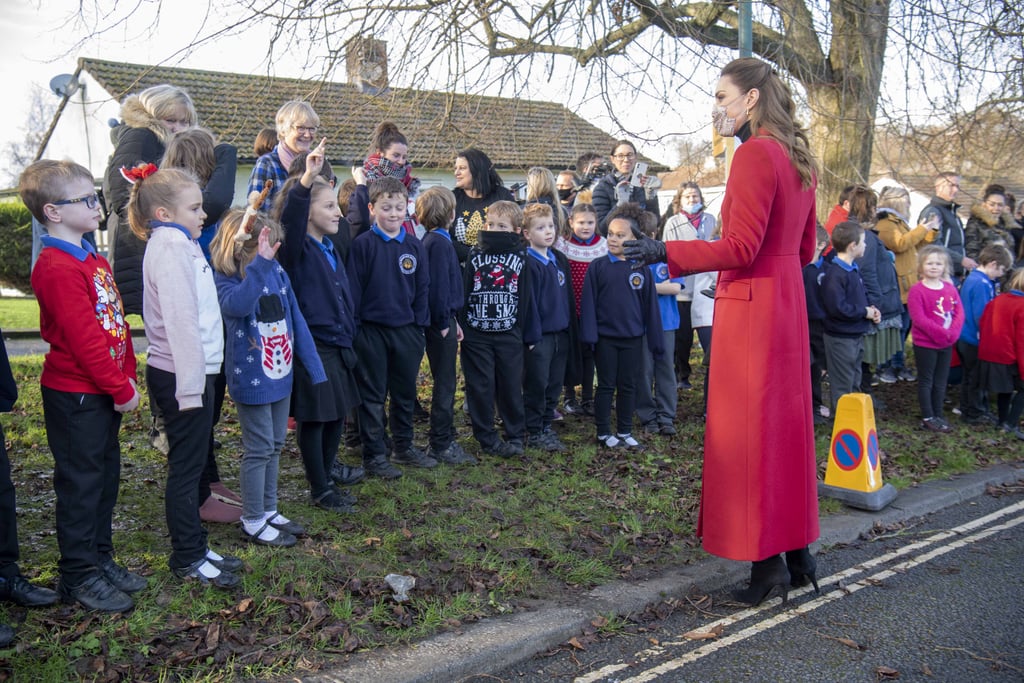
(724,124)
(564,194)
(692,208)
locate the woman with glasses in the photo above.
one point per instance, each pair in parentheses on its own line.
(989,223)
(615,188)
(297,126)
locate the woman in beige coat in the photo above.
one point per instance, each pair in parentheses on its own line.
(902,240)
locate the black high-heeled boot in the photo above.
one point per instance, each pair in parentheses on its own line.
(802,568)
(766,577)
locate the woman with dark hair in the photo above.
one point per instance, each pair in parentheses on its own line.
(615,188)
(477,186)
(877,271)
(760,496)
(388,157)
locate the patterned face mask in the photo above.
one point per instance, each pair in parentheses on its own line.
(722,122)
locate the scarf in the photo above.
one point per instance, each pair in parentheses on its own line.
(286,156)
(376,166)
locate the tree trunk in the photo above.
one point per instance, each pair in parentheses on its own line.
(844,99)
(841,132)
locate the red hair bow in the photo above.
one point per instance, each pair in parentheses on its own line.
(137,173)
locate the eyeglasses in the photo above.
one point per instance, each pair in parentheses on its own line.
(624,157)
(311,130)
(91,201)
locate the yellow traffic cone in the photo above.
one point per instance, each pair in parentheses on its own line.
(854,472)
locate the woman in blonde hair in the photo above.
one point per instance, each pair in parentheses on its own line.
(759,496)
(149,120)
(541,187)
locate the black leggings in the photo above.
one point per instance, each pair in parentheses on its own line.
(932,376)
(318,443)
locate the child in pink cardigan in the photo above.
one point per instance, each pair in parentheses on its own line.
(937,317)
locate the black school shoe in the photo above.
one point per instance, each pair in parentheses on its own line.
(381,467)
(20,591)
(96,593)
(413,457)
(344,475)
(120,578)
(333,501)
(225,579)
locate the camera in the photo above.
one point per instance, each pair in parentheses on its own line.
(595,173)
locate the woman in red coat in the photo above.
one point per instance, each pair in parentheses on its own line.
(759,496)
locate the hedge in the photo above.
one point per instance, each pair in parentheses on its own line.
(15,245)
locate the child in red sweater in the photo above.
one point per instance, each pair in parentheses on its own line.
(1001,351)
(88,381)
(581,246)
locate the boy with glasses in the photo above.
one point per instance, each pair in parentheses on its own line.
(88,381)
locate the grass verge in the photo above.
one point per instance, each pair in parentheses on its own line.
(480,541)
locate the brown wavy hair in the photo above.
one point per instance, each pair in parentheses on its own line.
(775,112)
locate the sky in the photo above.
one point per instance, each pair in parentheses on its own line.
(43,40)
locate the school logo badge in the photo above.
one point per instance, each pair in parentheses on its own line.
(636,280)
(407,264)
(662,271)
(561,279)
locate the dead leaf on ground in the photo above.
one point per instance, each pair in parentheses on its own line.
(371,541)
(705,635)
(885,673)
(576,644)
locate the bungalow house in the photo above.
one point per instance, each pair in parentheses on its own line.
(515,133)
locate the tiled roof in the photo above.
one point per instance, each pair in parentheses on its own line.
(514,133)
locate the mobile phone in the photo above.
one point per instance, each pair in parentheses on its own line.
(639,171)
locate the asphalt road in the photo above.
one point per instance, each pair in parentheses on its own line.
(939,598)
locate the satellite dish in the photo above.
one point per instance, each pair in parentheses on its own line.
(64,85)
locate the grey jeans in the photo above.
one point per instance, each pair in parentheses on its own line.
(843,356)
(264,428)
(658,406)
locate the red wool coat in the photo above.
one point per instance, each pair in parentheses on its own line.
(759,496)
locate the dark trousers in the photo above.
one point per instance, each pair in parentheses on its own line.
(972,395)
(82,430)
(389,360)
(442,353)
(211,474)
(617,362)
(844,356)
(932,376)
(543,371)
(817,335)
(8,519)
(586,377)
(189,434)
(684,340)
(492,364)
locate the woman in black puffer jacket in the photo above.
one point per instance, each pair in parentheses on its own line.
(148,121)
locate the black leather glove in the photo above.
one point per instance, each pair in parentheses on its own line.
(644,251)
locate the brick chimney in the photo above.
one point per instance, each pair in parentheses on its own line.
(366,61)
